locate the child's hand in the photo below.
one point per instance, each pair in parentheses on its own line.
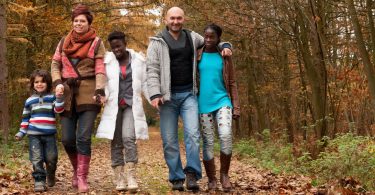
(18,136)
(59,91)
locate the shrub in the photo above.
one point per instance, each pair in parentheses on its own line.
(345,156)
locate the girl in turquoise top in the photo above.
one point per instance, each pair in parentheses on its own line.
(212,95)
(217,98)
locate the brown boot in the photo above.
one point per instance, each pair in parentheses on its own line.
(82,172)
(224,169)
(209,165)
(73,161)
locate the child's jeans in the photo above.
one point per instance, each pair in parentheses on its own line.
(43,149)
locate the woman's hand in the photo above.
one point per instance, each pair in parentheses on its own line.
(100,99)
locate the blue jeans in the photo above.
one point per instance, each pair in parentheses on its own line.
(42,149)
(76,132)
(186,105)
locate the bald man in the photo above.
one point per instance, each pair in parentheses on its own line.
(171,79)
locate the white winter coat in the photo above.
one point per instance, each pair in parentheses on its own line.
(107,124)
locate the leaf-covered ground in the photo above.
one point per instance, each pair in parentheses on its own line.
(152,175)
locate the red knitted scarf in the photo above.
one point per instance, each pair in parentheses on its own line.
(77,46)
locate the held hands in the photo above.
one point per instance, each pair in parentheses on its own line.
(59,91)
(99,99)
(157,102)
(226,52)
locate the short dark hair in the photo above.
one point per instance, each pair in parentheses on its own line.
(46,78)
(82,9)
(116,35)
(216,28)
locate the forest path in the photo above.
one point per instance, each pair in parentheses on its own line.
(152,173)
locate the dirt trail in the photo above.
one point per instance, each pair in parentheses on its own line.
(153,174)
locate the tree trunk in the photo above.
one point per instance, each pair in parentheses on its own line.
(285,84)
(362,49)
(317,41)
(371,27)
(237,128)
(252,87)
(4,113)
(316,74)
(250,95)
(305,103)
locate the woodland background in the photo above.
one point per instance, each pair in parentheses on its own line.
(305,71)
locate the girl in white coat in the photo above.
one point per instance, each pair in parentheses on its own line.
(123,119)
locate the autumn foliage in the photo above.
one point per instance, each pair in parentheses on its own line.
(305,69)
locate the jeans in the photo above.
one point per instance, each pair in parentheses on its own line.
(124,138)
(42,149)
(76,132)
(185,105)
(223,118)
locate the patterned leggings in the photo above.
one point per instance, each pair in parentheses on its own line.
(223,118)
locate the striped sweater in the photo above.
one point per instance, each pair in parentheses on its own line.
(38,117)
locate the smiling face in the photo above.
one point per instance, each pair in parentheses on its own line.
(39,84)
(211,38)
(175,19)
(118,47)
(81,24)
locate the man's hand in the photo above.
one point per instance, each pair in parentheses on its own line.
(226,52)
(156,102)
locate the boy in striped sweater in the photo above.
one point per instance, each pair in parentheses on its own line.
(39,123)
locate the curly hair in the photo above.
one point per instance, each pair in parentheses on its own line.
(46,78)
(116,35)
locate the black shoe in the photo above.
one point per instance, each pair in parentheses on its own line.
(191,182)
(51,181)
(178,185)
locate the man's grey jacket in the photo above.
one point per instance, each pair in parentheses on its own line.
(158,65)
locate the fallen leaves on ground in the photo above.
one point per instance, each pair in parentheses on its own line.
(152,173)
